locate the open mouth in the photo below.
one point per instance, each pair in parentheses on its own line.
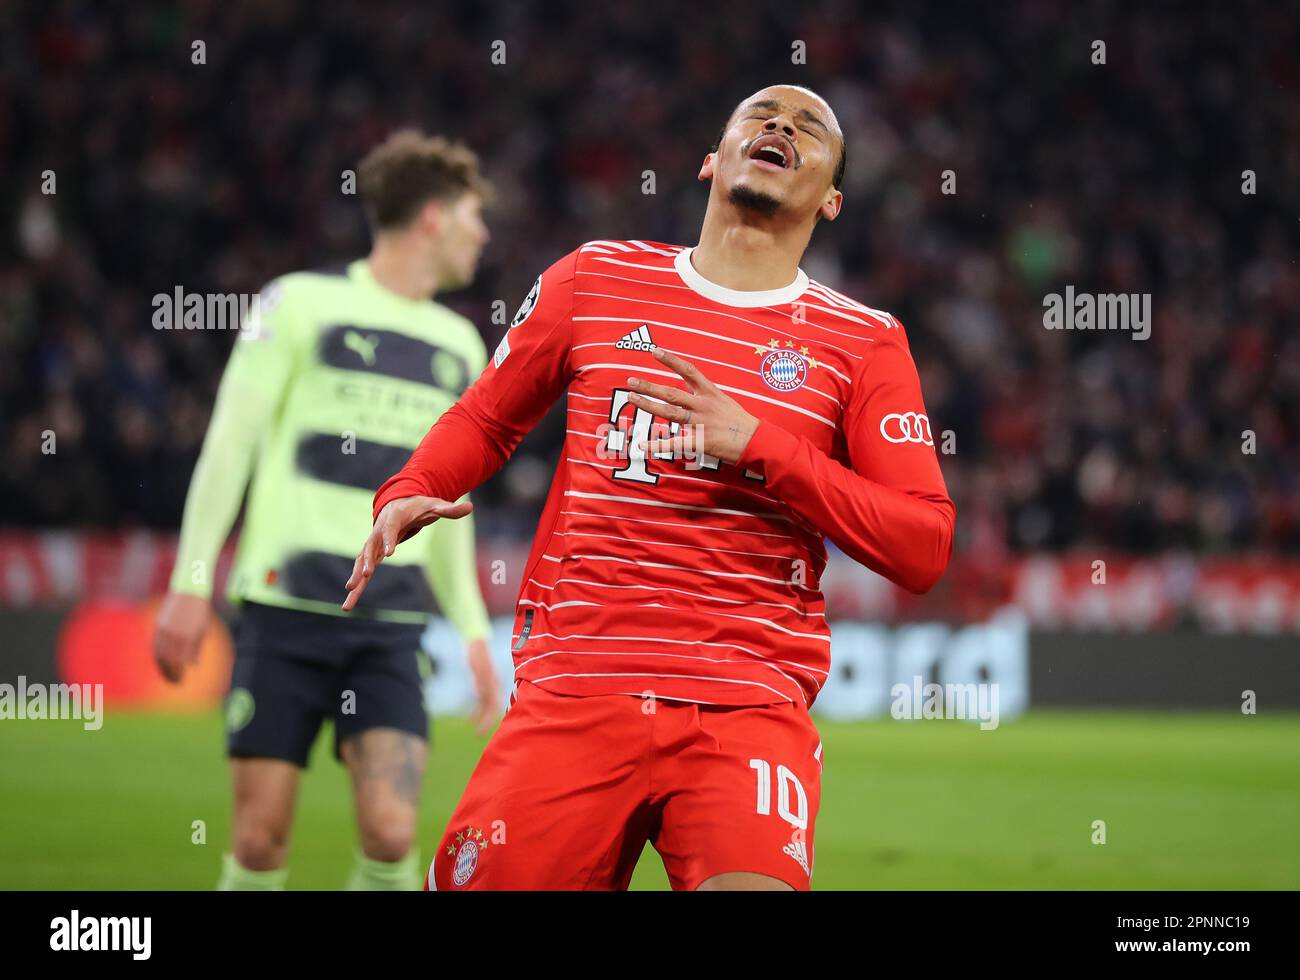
(772,151)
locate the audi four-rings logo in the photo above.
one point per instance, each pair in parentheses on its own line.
(907,427)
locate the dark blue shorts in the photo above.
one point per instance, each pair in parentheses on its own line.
(293,670)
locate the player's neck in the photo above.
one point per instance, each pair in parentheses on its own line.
(403,270)
(744,255)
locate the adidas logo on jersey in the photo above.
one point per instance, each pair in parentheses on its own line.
(638,339)
(798,850)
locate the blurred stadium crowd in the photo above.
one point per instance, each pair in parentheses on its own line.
(1122,177)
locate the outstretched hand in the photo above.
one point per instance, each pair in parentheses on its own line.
(396,522)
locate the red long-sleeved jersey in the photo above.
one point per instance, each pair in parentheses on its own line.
(692,579)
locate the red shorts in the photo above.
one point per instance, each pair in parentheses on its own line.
(570,789)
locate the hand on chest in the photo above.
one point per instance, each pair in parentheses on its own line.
(694,396)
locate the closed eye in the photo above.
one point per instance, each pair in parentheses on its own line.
(814,133)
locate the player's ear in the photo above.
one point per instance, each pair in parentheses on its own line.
(430,218)
(706,168)
(830,208)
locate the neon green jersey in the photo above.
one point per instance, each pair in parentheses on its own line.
(330,386)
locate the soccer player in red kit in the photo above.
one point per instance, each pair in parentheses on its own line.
(725,415)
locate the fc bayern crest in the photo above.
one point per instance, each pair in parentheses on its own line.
(470,843)
(466,862)
(784,370)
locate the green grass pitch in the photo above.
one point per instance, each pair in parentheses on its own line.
(1189,801)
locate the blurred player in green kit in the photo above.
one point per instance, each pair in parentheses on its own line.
(331,384)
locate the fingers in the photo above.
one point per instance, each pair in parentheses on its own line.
(488,708)
(450,509)
(674,446)
(429,509)
(398,517)
(487,697)
(354,585)
(372,553)
(173,654)
(356,574)
(362,569)
(671,404)
(350,602)
(383,540)
(362,566)
(167,662)
(190,649)
(486,713)
(685,368)
(671,413)
(173,650)
(673,396)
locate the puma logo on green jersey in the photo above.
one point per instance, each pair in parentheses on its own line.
(364,346)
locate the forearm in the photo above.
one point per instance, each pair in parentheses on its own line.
(458,453)
(474,438)
(905,537)
(253,386)
(215,493)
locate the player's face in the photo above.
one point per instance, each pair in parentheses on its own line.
(778,154)
(462,236)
